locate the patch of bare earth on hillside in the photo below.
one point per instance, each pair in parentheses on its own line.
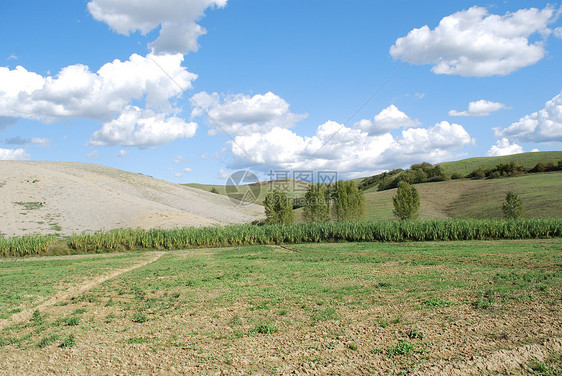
(189,338)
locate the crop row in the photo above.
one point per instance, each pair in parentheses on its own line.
(390,231)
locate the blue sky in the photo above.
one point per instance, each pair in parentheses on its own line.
(278,85)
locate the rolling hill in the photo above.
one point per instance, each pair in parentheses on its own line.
(66,198)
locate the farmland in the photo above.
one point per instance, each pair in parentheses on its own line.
(353,308)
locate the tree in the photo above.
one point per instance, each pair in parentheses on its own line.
(316,208)
(278,208)
(348,202)
(513,206)
(406,202)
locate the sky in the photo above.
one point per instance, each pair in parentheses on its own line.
(194,90)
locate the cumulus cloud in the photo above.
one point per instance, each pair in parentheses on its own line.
(388,119)
(77,92)
(475,43)
(122,153)
(142,128)
(350,151)
(558,32)
(479,108)
(541,126)
(179,30)
(13,154)
(241,114)
(504,147)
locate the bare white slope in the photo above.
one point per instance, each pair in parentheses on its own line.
(67,197)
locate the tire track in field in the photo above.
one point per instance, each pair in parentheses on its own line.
(73,291)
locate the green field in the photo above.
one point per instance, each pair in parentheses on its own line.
(349,308)
(475,198)
(529,160)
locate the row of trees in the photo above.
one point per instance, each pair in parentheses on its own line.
(341,201)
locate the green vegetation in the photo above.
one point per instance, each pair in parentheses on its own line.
(127,240)
(513,206)
(322,304)
(478,199)
(316,204)
(529,160)
(406,202)
(278,209)
(348,202)
(25,283)
(484,168)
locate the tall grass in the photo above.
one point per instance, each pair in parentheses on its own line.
(128,239)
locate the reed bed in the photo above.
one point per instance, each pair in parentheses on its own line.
(190,237)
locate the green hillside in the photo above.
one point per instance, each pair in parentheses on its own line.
(541,195)
(528,160)
(293,188)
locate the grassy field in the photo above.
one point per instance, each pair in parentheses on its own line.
(528,160)
(349,308)
(27,282)
(293,188)
(475,198)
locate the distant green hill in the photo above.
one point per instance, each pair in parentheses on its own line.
(465,198)
(541,195)
(528,160)
(293,188)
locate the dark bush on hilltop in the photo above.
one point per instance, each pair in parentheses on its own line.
(546,167)
(425,172)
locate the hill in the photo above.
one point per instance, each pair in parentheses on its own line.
(293,188)
(529,160)
(66,198)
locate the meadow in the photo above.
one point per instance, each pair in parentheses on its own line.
(344,308)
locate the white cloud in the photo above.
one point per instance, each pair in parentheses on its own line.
(388,119)
(223,174)
(142,128)
(558,32)
(243,114)
(541,126)
(504,147)
(24,141)
(178,174)
(93,154)
(76,92)
(179,31)
(479,108)
(475,43)
(347,150)
(122,153)
(13,154)
(180,159)
(187,169)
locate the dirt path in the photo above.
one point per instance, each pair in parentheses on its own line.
(73,291)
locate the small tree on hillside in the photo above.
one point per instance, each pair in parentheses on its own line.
(406,202)
(348,202)
(513,206)
(316,208)
(278,208)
